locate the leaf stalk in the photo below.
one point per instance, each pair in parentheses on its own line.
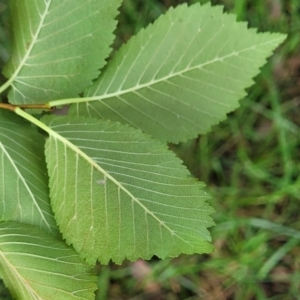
(13,107)
(32,119)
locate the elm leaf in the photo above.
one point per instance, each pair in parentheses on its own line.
(117,193)
(180,75)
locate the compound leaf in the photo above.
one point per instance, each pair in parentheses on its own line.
(117,193)
(58,47)
(180,75)
(36,266)
(24,192)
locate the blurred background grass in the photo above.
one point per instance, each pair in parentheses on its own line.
(251,166)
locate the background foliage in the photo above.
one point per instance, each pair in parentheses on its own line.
(251,165)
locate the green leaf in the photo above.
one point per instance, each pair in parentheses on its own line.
(58,47)
(181,75)
(34,265)
(24,193)
(117,193)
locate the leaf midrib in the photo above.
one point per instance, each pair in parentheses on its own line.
(138,87)
(17,275)
(32,44)
(174,74)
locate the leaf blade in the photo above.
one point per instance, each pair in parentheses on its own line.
(180,75)
(34,265)
(23,175)
(57,49)
(118,194)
